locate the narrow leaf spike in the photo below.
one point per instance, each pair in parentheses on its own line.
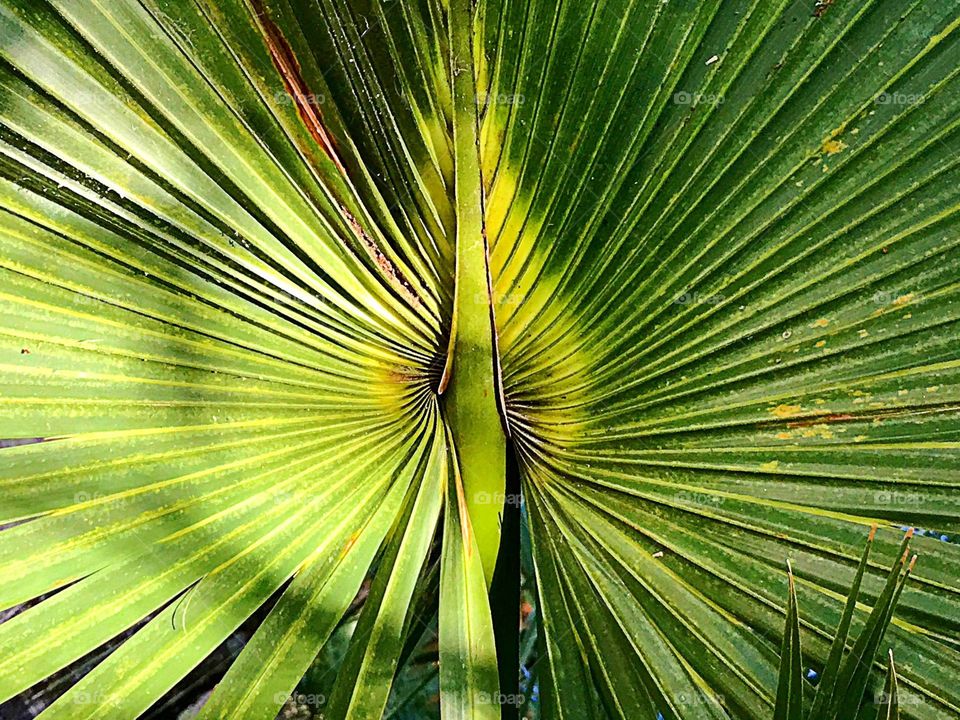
(790,688)
(827,687)
(855,671)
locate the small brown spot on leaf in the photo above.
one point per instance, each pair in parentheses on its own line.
(525,610)
(351,541)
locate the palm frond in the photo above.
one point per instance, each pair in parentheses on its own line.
(283,283)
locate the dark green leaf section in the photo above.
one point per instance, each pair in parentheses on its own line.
(723,241)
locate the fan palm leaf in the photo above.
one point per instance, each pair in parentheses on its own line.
(283,283)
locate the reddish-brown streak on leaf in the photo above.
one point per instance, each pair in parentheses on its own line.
(286,62)
(382,261)
(404,377)
(820,9)
(820,419)
(871,415)
(289,68)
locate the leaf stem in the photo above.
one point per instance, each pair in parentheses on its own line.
(471,372)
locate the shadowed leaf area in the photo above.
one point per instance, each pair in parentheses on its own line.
(327,328)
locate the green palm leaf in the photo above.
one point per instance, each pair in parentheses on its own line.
(285,281)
